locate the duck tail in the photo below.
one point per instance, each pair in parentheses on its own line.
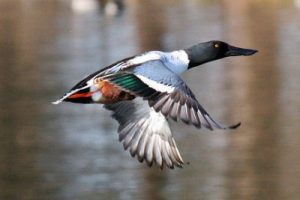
(86,94)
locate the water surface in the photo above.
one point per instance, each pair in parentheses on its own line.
(71,151)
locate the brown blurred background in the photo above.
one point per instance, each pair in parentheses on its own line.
(71,151)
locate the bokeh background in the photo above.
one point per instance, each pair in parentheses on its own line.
(71,151)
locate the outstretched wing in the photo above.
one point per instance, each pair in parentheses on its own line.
(167,93)
(145,133)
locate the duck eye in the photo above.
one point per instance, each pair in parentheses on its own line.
(216,45)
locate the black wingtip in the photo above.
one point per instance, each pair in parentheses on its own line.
(235,126)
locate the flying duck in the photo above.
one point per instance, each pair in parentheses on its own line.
(145,90)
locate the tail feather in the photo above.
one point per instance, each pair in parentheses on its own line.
(86,94)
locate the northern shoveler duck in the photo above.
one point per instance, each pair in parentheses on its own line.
(145,90)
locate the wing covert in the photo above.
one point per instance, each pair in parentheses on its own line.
(167,93)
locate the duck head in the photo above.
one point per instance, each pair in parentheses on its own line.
(214,50)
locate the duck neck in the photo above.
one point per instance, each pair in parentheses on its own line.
(198,56)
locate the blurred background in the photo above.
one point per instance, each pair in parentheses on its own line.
(71,151)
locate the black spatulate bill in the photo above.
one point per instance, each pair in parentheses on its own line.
(236,51)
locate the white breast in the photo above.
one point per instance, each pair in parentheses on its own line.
(177,61)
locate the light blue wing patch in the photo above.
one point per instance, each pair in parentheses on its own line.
(181,103)
(157,71)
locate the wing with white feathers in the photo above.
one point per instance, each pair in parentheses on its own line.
(145,133)
(167,93)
